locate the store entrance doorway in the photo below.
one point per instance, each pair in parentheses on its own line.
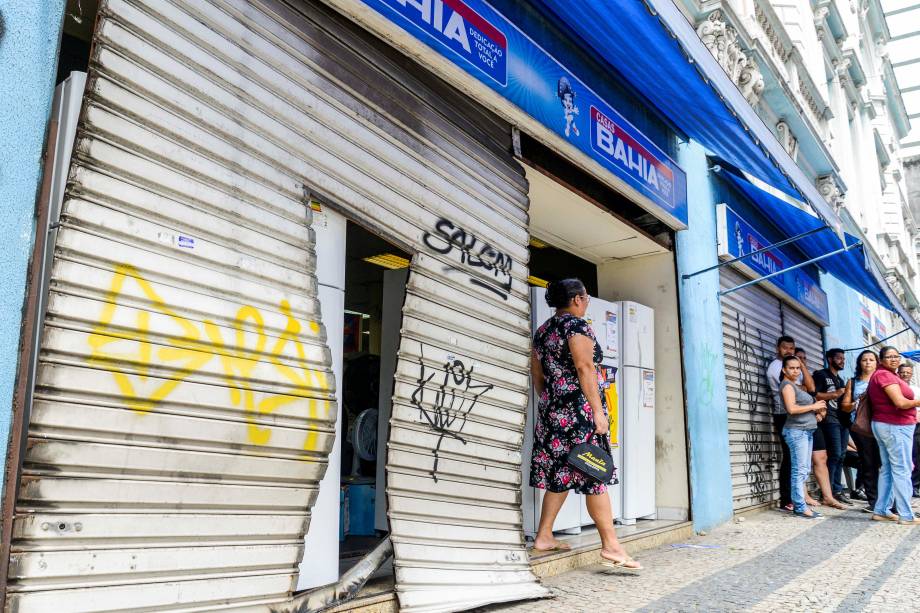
(362,287)
(633,313)
(375,288)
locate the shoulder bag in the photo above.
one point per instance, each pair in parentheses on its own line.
(862,425)
(592,460)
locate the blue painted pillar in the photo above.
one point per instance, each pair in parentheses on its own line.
(844,328)
(704,359)
(30,33)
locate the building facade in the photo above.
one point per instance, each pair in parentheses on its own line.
(286,257)
(903,50)
(821,76)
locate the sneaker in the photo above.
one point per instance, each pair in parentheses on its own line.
(841,497)
(858,495)
(867,510)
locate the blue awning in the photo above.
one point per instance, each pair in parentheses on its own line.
(653,46)
(852,268)
(657,51)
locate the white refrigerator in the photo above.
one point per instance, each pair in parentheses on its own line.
(637,411)
(322,538)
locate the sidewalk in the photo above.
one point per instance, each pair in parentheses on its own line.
(772,561)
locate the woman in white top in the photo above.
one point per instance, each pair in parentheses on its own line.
(869,459)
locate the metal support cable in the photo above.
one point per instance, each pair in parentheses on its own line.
(878,342)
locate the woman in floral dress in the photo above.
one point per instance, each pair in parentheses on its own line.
(571,410)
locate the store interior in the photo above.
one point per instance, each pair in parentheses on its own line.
(375,276)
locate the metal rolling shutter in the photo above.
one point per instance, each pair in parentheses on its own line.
(751,324)
(807,334)
(184,405)
(211,122)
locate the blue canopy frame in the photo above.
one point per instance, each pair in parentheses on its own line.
(850,264)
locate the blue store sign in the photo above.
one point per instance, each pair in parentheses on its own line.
(880,330)
(737,237)
(865,318)
(474,36)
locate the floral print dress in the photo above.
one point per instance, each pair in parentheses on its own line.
(564,417)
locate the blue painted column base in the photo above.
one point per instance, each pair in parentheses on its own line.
(30,33)
(704,358)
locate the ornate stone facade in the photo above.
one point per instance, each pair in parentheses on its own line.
(809,99)
(776,42)
(789,142)
(722,41)
(830,191)
(895,282)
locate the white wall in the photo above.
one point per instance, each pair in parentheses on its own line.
(651,281)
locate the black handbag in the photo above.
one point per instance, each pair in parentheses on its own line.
(592,460)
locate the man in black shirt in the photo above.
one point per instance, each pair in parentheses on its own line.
(836,425)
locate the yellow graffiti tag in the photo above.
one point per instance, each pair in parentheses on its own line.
(239,359)
(104,335)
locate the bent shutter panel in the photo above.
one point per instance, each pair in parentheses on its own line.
(751,323)
(210,122)
(184,408)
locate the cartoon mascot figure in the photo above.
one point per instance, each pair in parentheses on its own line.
(567,97)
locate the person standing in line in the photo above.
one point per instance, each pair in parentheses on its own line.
(785,347)
(866,447)
(571,410)
(802,421)
(894,418)
(906,372)
(818,454)
(835,428)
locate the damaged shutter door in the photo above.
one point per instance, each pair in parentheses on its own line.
(233,109)
(453,466)
(184,406)
(751,323)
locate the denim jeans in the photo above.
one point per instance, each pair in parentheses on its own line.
(779,420)
(799,442)
(895,444)
(835,438)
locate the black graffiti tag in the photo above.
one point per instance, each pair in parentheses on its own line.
(758,448)
(474,253)
(455,396)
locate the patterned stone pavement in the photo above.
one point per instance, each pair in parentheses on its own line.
(771,561)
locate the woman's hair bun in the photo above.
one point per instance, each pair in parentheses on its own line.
(560,293)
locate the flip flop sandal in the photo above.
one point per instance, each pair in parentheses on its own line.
(621,564)
(559,547)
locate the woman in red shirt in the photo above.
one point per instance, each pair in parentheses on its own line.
(894,417)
